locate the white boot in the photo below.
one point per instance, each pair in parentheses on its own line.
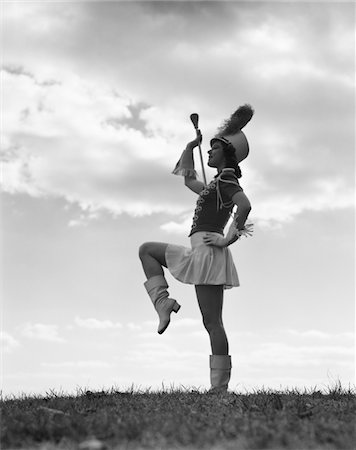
(220,372)
(157,289)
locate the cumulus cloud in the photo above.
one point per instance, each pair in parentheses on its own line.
(84,219)
(178,227)
(167,357)
(44,332)
(7,342)
(87,364)
(82,156)
(134,326)
(187,323)
(317,334)
(283,354)
(105,128)
(96,324)
(312,349)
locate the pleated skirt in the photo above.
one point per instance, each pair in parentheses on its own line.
(202,264)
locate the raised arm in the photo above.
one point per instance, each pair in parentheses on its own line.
(185,167)
(193,184)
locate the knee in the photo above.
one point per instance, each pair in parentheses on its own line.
(143,250)
(211,324)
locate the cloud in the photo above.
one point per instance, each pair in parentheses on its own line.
(41,331)
(178,227)
(313,350)
(83,220)
(81,124)
(82,157)
(134,326)
(95,324)
(187,323)
(7,342)
(279,354)
(89,364)
(167,358)
(322,335)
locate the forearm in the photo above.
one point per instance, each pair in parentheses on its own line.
(187,157)
(237,225)
(241,217)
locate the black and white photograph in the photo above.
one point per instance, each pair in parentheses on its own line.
(178,224)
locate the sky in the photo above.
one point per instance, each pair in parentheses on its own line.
(96,99)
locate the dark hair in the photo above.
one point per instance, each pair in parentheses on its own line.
(231,160)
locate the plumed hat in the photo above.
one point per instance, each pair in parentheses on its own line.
(230,131)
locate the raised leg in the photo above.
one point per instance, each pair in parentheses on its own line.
(153,257)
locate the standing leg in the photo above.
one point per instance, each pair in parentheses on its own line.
(152,255)
(210,299)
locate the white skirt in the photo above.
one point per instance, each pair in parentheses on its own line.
(202,264)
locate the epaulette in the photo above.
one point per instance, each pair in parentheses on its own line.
(228,176)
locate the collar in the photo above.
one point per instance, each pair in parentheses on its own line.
(225,170)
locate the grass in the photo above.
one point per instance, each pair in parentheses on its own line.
(181,419)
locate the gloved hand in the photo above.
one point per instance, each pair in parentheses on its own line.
(247,230)
(213,239)
(196,142)
(220,241)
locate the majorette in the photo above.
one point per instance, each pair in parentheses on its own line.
(207,263)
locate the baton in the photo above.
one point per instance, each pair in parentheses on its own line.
(195,119)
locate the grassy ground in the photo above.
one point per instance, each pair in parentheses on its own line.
(181,419)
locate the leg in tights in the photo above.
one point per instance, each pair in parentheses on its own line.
(210,299)
(152,256)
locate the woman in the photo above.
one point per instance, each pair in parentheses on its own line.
(208,263)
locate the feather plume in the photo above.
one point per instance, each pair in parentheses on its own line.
(236,121)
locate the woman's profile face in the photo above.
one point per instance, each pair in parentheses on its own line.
(216,155)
